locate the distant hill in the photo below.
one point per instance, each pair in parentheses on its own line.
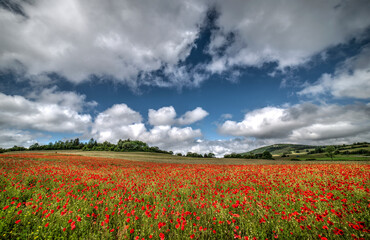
(282,148)
(298,149)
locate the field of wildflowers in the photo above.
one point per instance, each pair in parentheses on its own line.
(56,196)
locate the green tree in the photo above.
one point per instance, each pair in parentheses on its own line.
(76,143)
(330,151)
(266,155)
(34,146)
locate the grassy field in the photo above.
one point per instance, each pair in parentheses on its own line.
(166,158)
(338,158)
(279,149)
(69,196)
(298,150)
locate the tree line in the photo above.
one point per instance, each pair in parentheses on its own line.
(92,145)
(264,155)
(197,155)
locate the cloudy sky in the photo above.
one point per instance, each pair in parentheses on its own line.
(191,75)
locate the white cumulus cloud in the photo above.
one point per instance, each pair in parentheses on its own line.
(117,122)
(121,122)
(350,80)
(162,116)
(302,122)
(167,137)
(21,113)
(70,100)
(167,116)
(192,116)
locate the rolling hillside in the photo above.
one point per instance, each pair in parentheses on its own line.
(283,148)
(279,149)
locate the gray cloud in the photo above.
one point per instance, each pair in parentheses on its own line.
(119,39)
(288,32)
(128,40)
(12,137)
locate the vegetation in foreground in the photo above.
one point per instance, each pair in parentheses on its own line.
(55,196)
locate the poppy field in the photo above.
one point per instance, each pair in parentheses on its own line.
(56,196)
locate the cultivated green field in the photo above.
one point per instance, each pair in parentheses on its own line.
(299,149)
(166,158)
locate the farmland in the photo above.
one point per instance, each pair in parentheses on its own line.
(58,195)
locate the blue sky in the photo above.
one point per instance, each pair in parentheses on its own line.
(201,76)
